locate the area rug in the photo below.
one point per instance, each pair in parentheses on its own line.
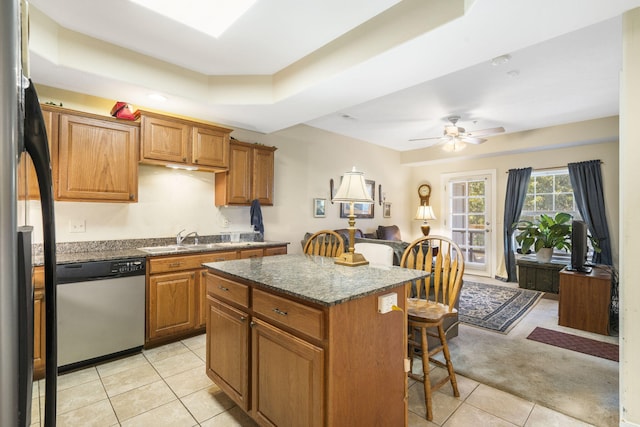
(493,307)
(575,343)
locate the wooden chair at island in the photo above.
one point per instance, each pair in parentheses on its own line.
(429,304)
(324,243)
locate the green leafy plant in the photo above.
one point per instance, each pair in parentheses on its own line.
(546,232)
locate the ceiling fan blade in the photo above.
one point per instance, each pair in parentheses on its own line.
(425,139)
(484,132)
(472,140)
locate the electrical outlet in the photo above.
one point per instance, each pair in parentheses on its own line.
(77,226)
(386,302)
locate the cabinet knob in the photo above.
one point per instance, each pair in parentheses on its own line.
(242,318)
(252,324)
(195,160)
(184,159)
(131,197)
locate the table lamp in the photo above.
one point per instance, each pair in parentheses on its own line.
(353,189)
(425,213)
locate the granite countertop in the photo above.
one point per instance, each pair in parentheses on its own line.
(68,253)
(316,279)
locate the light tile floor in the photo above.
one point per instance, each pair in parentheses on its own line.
(167,386)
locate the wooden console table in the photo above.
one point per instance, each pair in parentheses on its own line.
(539,276)
(585,300)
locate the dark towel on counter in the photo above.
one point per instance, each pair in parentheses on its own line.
(256,216)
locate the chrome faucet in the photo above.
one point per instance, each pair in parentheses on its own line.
(180,238)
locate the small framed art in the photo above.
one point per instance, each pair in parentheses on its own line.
(319,208)
(386,210)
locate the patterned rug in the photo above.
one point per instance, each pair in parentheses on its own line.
(573,342)
(493,307)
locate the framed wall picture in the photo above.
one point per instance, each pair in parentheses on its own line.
(386,210)
(319,208)
(361,210)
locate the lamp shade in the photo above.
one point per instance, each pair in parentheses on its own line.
(353,188)
(425,212)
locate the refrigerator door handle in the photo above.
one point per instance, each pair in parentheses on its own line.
(36,144)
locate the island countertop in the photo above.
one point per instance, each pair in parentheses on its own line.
(314,278)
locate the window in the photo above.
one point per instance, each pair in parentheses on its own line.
(549,192)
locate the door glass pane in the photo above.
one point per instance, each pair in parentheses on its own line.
(458,189)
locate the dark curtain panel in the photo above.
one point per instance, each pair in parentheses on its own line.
(586,180)
(517,184)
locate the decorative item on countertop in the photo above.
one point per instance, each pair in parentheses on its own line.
(256,216)
(122,110)
(353,189)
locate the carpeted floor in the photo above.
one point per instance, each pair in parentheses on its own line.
(575,343)
(582,386)
(497,308)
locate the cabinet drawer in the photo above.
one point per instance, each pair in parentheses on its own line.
(276,250)
(251,253)
(174,263)
(308,320)
(218,256)
(228,290)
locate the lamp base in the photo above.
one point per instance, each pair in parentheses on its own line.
(425,229)
(351,259)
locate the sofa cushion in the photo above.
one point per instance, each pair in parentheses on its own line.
(388,232)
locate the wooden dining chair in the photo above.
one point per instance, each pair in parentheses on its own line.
(324,243)
(428,304)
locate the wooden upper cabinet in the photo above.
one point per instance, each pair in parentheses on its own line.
(250,175)
(97,159)
(166,140)
(210,147)
(27,179)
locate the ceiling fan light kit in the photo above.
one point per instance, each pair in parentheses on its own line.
(455,137)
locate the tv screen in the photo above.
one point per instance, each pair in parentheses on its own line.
(579,247)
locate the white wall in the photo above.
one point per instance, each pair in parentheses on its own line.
(629,225)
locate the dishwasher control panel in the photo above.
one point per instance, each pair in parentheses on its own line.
(128,266)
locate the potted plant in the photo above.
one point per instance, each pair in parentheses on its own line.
(545,234)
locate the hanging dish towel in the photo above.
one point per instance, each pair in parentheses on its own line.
(256,216)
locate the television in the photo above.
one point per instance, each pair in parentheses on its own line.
(579,247)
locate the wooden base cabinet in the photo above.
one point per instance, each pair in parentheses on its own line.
(310,365)
(585,300)
(176,293)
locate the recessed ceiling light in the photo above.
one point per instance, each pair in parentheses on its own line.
(211,17)
(157,97)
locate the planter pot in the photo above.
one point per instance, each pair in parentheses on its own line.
(544,255)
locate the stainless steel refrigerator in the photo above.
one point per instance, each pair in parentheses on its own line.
(22,129)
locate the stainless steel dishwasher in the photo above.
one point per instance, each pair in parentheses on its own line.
(101,309)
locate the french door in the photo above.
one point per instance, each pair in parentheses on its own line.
(470,218)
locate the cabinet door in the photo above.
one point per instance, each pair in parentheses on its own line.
(228,350)
(239,175)
(262,185)
(97,160)
(27,179)
(172,304)
(164,140)
(285,366)
(210,147)
(39,337)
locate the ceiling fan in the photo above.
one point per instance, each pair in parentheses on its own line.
(455,137)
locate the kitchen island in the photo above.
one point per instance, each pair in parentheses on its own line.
(296,340)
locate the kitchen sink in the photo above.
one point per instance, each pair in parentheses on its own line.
(164,249)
